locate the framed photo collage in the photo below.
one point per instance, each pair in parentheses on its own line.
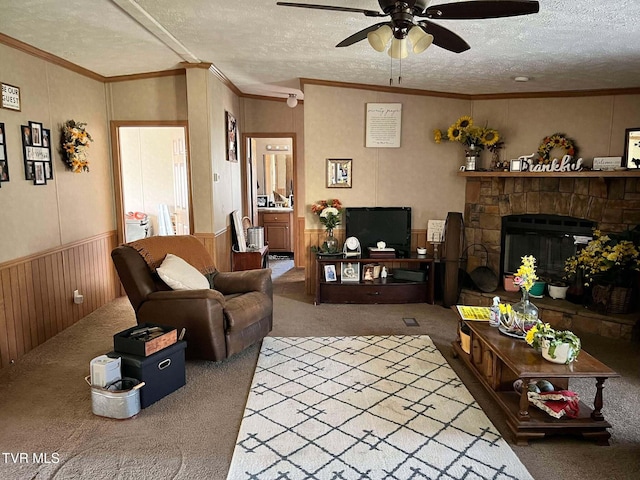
(36,148)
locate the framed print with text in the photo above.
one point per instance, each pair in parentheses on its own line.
(10,97)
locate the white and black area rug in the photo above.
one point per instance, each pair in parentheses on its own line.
(379,407)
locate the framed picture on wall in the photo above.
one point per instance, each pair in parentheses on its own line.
(39,177)
(232,138)
(36,149)
(4,163)
(632,148)
(36,134)
(339,172)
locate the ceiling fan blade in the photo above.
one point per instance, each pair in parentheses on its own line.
(481,9)
(444,38)
(368,13)
(361,35)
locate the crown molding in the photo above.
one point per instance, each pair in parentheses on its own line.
(61,62)
(383,88)
(36,52)
(481,96)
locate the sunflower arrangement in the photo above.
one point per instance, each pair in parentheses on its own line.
(74,143)
(612,259)
(557,140)
(465,132)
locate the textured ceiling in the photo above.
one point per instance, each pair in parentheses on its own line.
(264,49)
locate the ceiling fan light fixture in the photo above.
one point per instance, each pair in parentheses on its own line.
(398,48)
(420,39)
(378,39)
(292,101)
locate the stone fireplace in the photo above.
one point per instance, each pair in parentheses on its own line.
(503,205)
(610,204)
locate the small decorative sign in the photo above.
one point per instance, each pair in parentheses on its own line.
(435,231)
(567,164)
(10,97)
(607,163)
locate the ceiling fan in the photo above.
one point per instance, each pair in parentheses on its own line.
(405,12)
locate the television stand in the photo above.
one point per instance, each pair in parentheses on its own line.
(380,290)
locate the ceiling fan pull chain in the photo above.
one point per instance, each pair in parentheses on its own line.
(391,72)
(400,75)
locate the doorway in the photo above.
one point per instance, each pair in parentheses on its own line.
(152,179)
(269,181)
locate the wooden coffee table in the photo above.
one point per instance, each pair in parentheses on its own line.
(498,360)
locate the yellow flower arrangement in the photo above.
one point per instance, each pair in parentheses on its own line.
(613,259)
(542,333)
(464,131)
(526,276)
(74,145)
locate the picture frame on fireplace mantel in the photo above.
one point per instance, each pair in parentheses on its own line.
(631,156)
(515,165)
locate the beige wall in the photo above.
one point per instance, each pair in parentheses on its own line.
(71,206)
(162,98)
(422,174)
(419,174)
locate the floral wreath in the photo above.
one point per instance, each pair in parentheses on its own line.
(74,143)
(557,140)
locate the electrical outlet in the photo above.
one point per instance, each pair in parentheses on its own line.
(77,298)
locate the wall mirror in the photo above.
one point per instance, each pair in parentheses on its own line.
(276,175)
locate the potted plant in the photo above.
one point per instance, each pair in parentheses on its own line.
(557,346)
(557,288)
(609,264)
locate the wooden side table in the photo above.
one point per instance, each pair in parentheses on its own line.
(250,260)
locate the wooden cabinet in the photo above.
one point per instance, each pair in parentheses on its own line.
(278,231)
(250,260)
(380,290)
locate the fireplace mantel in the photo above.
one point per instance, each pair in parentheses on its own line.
(582,174)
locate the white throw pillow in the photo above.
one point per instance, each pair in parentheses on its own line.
(180,275)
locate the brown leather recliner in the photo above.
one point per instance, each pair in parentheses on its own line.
(234,314)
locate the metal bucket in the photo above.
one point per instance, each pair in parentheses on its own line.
(255,237)
(119,400)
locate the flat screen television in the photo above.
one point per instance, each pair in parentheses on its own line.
(370,225)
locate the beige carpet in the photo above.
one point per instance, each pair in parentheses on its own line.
(45,404)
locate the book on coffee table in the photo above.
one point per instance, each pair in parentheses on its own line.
(477,314)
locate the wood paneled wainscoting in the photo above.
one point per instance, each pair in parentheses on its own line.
(36,292)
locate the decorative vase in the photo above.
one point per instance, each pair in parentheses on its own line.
(330,242)
(525,313)
(472,158)
(562,352)
(575,292)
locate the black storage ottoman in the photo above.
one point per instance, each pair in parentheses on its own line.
(163,372)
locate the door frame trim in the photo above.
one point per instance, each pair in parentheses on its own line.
(117,166)
(244,176)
